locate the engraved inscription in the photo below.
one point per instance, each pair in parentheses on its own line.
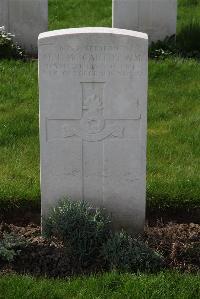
(91,61)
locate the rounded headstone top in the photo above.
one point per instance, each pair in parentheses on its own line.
(92,30)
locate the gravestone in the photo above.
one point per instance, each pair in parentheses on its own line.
(4,13)
(157,18)
(93,114)
(26,19)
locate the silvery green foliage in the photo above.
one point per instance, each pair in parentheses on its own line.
(124,253)
(9,49)
(163,49)
(9,246)
(82,229)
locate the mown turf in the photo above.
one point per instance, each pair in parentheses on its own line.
(173,133)
(173,155)
(79,13)
(173,117)
(188,11)
(165,285)
(19,159)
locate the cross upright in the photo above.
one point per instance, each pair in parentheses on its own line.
(91,128)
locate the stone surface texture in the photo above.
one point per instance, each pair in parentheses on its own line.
(157,18)
(4,13)
(26,19)
(93,115)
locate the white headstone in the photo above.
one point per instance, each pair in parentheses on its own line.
(4,13)
(93,114)
(157,18)
(26,19)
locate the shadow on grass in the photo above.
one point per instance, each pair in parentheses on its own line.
(186,44)
(23,212)
(188,3)
(20,211)
(188,40)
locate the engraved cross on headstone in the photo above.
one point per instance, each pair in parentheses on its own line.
(92,128)
(92,125)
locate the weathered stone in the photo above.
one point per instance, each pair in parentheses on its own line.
(93,114)
(4,13)
(157,18)
(26,19)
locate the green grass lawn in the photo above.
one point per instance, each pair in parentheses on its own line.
(188,10)
(79,13)
(173,117)
(165,285)
(173,133)
(173,154)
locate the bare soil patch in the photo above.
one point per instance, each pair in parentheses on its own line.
(178,243)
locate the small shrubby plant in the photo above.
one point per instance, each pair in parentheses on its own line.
(9,49)
(82,229)
(10,245)
(88,239)
(163,49)
(124,253)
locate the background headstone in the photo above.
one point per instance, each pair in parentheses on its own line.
(26,19)
(4,13)
(93,114)
(157,18)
